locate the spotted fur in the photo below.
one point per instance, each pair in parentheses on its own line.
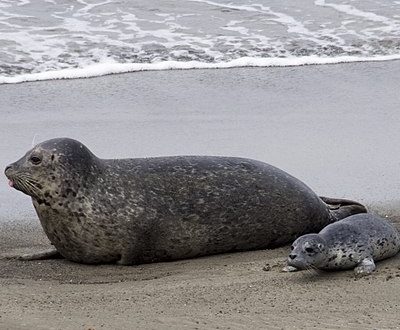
(354,242)
(139,210)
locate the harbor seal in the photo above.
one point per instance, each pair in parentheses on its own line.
(354,242)
(141,210)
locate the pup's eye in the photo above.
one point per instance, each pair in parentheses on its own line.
(309,249)
(292,247)
(35,160)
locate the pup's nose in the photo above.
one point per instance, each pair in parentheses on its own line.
(292,256)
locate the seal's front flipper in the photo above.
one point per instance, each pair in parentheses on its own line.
(42,255)
(365,267)
(289,269)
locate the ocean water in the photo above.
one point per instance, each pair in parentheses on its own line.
(49,39)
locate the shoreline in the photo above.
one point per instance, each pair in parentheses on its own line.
(111,67)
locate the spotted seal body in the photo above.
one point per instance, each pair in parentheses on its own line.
(142,210)
(354,242)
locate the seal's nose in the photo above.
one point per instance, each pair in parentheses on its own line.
(7,168)
(292,256)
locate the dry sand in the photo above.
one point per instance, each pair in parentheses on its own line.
(232,291)
(334,127)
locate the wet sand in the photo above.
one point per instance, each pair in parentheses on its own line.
(334,127)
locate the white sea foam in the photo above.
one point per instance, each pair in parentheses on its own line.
(351,10)
(41,37)
(107,68)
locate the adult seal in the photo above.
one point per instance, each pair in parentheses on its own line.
(354,242)
(132,211)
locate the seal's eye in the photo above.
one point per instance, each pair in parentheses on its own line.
(35,160)
(292,247)
(309,249)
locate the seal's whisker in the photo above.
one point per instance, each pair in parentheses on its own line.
(17,180)
(33,140)
(308,270)
(27,178)
(32,186)
(33,183)
(23,177)
(26,186)
(23,185)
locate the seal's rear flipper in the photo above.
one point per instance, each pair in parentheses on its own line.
(342,208)
(42,255)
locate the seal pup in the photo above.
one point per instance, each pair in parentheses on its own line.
(131,211)
(354,242)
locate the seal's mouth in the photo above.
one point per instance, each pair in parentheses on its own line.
(25,184)
(299,264)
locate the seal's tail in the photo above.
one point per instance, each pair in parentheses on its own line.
(342,208)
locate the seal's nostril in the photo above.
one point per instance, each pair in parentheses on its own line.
(292,256)
(7,168)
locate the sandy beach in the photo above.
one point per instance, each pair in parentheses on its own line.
(335,127)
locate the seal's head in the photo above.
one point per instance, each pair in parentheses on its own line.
(54,167)
(308,251)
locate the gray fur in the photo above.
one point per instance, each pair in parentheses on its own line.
(354,242)
(141,210)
